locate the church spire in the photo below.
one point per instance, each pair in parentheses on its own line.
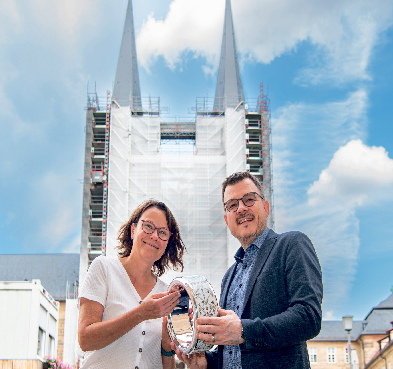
(126,90)
(229,91)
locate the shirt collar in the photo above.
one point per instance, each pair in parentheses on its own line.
(257,242)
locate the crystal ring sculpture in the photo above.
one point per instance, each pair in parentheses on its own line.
(197,299)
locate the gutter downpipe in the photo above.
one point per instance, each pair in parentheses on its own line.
(364,354)
(386,364)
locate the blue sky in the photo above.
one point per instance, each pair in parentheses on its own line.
(328,68)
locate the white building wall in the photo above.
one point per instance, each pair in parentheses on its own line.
(15,308)
(22,308)
(71,348)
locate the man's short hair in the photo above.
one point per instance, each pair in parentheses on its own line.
(238,177)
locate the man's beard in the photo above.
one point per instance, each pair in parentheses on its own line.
(247,240)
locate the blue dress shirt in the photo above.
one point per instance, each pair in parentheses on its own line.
(244,263)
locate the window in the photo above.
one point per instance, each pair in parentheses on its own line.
(331,355)
(313,355)
(40,345)
(51,346)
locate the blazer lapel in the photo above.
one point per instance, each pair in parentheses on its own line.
(260,261)
(227,283)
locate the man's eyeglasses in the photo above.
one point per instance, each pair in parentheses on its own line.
(248,200)
(149,228)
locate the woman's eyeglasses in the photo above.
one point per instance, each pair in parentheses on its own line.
(163,233)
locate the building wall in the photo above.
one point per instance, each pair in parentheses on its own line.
(370,346)
(384,360)
(26,307)
(20,364)
(15,306)
(340,346)
(60,342)
(71,347)
(366,348)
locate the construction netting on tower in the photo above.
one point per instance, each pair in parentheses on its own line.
(236,157)
(187,180)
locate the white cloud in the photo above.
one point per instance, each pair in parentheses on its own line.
(355,174)
(305,139)
(329,315)
(343,32)
(311,133)
(189,26)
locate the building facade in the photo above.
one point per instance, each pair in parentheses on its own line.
(370,342)
(383,359)
(30,318)
(126,160)
(58,275)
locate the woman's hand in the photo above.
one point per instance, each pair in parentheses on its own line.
(95,334)
(159,305)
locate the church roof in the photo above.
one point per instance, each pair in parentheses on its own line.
(126,90)
(229,91)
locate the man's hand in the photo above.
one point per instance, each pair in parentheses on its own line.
(193,361)
(226,328)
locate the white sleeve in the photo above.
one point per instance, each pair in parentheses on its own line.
(95,286)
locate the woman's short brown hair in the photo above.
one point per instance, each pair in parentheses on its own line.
(174,251)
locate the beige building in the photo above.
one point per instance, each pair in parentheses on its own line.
(371,342)
(383,359)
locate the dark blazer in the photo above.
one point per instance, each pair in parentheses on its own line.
(282,305)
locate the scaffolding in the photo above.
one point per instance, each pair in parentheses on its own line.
(132,166)
(258,146)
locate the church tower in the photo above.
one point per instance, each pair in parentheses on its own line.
(126,161)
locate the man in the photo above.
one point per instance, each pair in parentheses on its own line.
(270,297)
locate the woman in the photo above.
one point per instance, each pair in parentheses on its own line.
(122,300)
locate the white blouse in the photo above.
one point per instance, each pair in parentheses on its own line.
(108,283)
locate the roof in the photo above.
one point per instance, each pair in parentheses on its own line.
(127,77)
(229,86)
(333,330)
(386,304)
(54,270)
(378,321)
